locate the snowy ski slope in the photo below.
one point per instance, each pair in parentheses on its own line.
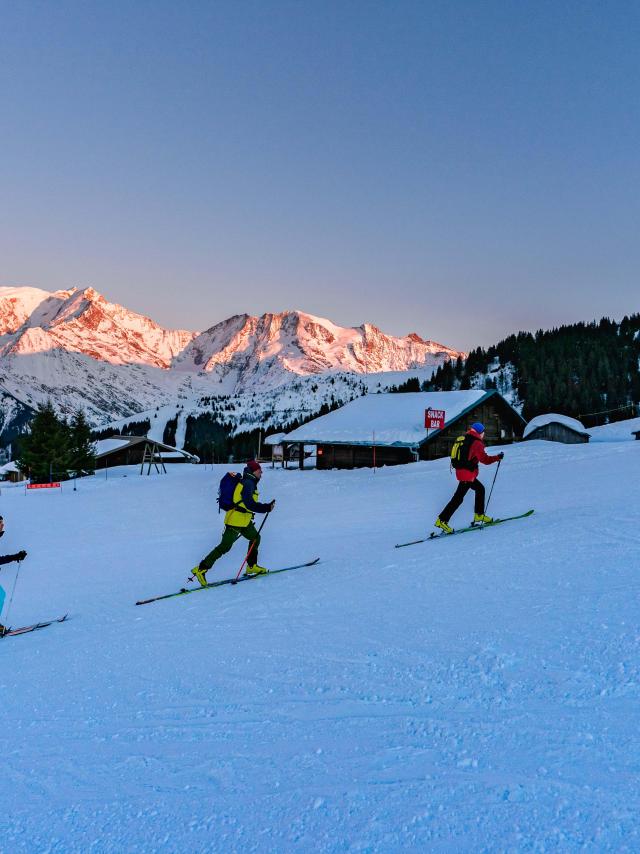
(472,694)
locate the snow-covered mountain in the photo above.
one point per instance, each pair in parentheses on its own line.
(81,350)
(82,321)
(266,348)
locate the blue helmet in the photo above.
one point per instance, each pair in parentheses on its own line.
(478,427)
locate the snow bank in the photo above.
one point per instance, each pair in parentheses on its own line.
(620,431)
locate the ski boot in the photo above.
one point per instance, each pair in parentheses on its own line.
(447,529)
(200,574)
(481,519)
(4,630)
(256,570)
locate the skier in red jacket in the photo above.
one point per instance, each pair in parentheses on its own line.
(472,453)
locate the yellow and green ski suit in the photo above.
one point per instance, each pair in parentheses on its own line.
(238,522)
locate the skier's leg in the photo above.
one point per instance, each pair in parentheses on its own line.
(229,536)
(456,501)
(251,534)
(479,514)
(479,499)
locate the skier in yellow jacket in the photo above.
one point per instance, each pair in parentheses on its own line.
(238,522)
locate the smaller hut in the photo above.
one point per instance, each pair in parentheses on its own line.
(11,472)
(138,450)
(556,428)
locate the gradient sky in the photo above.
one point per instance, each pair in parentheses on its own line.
(458,169)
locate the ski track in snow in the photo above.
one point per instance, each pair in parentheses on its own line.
(476,694)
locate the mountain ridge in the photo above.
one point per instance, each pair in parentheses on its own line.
(83,351)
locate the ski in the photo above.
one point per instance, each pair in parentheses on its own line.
(23,630)
(223,581)
(478,527)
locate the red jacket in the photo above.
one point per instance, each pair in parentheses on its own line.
(478,454)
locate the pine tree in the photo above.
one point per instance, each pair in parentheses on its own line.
(81,451)
(44,451)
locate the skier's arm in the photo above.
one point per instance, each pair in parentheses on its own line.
(10,558)
(249,503)
(487,459)
(478,453)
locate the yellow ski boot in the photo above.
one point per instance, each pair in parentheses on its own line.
(200,574)
(256,570)
(443,526)
(481,519)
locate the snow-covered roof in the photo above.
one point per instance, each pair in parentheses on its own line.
(554,418)
(106,446)
(274,439)
(116,443)
(396,419)
(8,467)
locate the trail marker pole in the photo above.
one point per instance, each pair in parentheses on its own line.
(374,451)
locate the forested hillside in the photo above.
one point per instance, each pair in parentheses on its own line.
(587,370)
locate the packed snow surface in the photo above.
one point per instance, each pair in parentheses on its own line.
(396,419)
(553,418)
(619,431)
(476,693)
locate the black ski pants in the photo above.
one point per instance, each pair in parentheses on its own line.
(458,497)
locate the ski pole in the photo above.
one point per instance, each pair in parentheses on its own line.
(491,490)
(13,590)
(246,557)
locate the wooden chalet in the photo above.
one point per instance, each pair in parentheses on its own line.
(388,429)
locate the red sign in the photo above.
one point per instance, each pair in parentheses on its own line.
(434,419)
(43,485)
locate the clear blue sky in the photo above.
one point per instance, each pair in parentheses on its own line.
(458,169)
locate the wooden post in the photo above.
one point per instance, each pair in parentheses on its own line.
(301,455)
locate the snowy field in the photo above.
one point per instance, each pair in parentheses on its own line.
(478,693)
(620,431)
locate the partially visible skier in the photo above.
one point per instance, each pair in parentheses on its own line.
(238,522)
(21,555)
(468,452)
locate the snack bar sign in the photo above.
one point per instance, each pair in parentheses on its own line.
(434,419)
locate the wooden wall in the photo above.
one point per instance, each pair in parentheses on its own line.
(360,456)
